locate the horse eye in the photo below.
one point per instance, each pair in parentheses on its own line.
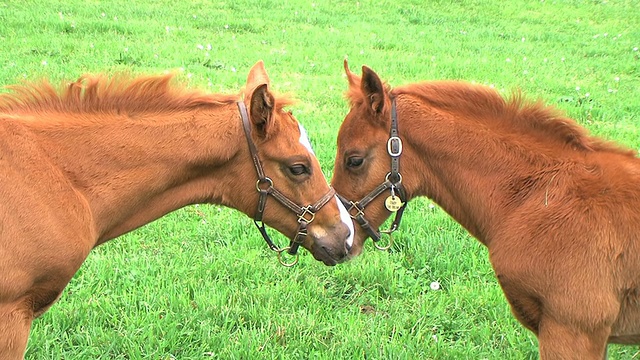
(298,169)
(354,161)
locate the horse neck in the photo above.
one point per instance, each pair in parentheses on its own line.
(461,166)
(133,171)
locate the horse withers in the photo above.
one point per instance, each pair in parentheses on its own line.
(557,209)
(100,157)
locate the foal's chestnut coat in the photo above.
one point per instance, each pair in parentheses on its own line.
(84,164)
(558,210)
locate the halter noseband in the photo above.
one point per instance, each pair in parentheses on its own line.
(264,186)
(396,202)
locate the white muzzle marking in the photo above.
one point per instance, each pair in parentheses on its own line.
(344,214)
(346,219)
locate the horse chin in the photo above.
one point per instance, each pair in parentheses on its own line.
(326,261)
(328,257)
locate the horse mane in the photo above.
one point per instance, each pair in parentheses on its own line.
(515,114)
(121,93)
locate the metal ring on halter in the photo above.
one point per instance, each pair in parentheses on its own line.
(386,178)
(264,181)
(282,262)
(388,246)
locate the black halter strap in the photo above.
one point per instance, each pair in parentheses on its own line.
(264,186)
(392,182)
(394,146)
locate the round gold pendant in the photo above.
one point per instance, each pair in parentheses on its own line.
(393,203)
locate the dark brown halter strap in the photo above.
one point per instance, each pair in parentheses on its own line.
(264,186)
(392,182)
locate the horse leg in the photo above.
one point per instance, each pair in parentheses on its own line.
(16,318)
(15,325)
(561,342)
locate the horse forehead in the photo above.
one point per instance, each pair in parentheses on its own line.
(357,121)
(358,132)
(289,123)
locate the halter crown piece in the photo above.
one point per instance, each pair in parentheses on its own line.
(395,202)
(264,186)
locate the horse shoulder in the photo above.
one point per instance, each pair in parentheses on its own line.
(44,237)
(584,218)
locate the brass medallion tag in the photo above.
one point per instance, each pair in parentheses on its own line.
(393,203)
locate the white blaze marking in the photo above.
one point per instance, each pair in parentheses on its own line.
(344,214)
(304,139)
(346,219)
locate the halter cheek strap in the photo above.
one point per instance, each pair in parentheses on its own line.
(394,146)
(264,186)
(392,182)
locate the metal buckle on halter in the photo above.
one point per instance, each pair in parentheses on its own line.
(306,211)
(390,147)
(355,205)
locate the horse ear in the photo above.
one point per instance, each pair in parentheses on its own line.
(354,80)
(257,76)
(372,89)
(261,110)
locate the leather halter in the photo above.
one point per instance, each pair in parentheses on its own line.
(264,186)
(392,182)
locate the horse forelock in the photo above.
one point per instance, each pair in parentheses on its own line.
(515,114)
(283,101)
(354,95)
(120,93)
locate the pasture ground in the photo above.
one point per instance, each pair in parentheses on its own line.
(200,283)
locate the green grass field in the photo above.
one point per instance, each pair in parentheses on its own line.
(200,283)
